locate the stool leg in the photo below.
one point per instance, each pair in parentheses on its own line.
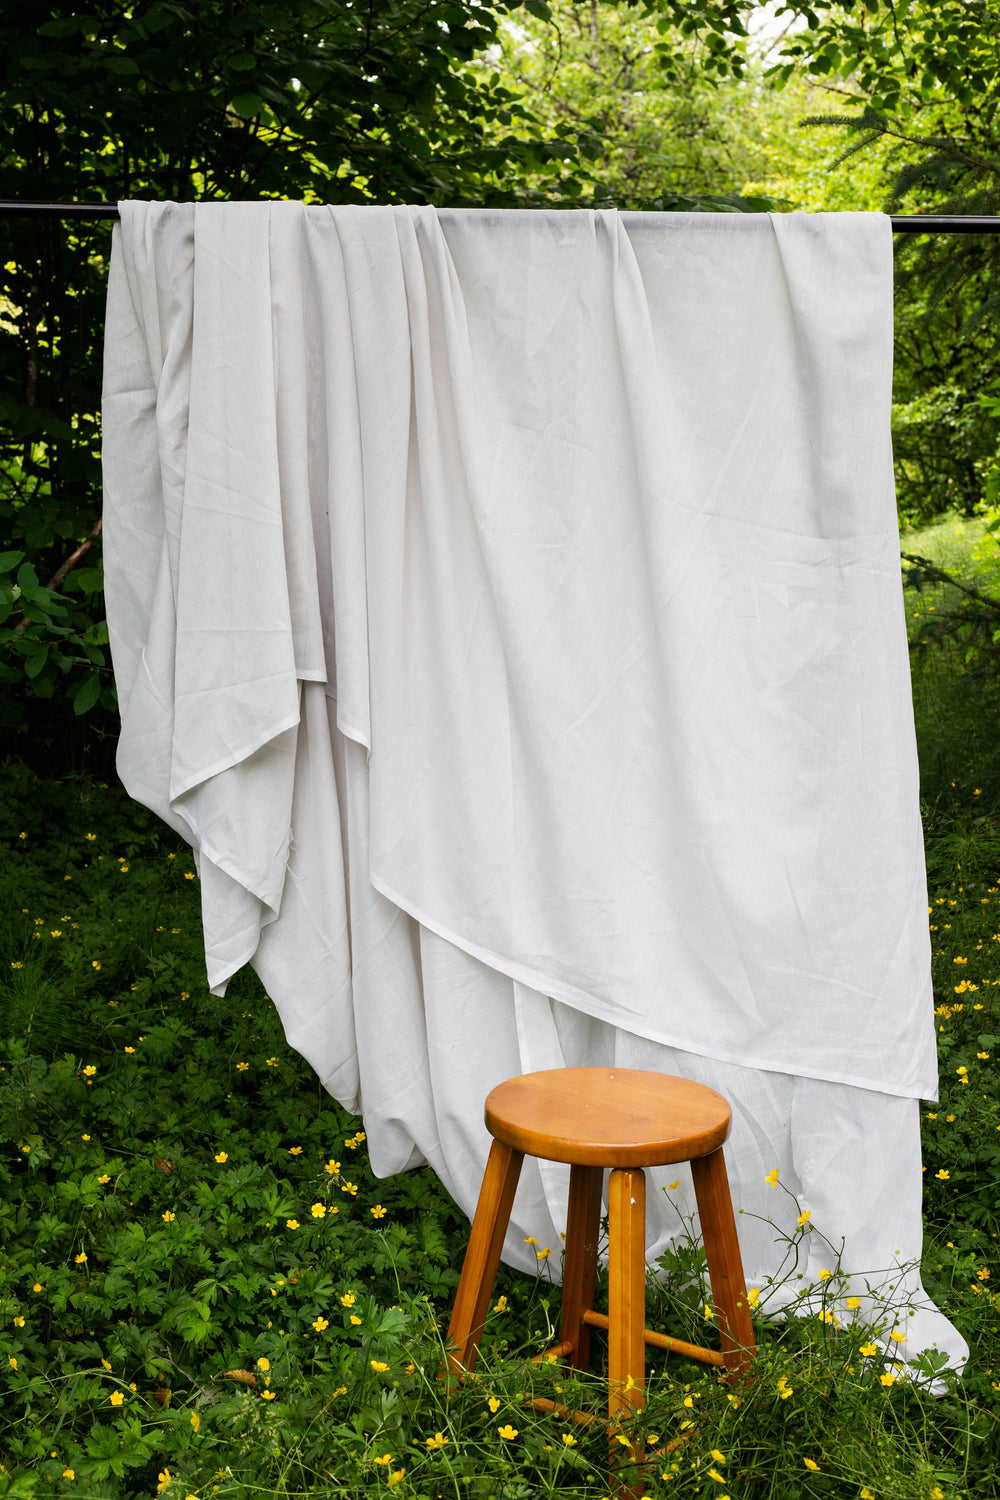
(626,1303)
(479,1269)
(725,1265)
(583,1227)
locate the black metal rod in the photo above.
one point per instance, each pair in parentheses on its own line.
(901,223)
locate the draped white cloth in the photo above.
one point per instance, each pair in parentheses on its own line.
(506,606)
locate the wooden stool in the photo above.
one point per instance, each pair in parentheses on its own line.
(626,1120)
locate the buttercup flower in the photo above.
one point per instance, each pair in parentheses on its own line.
(291,1223)
(500,1305)
(943,1175)
(318,1210)
(569,1440)
(437,1441)
(772,1178)
(263,1363)
(221,1156)
(809,1463)
(348,1299)
(804,1218)
(117,1398)
(396,1477)
(868,1350)
(267,1395)
(355,1320)
(507,1432)
(379,1366)
(81,1259)
(320,1324)
(493,1404)
(378,1212)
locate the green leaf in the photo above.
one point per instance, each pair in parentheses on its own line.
(9,561)
(87,693)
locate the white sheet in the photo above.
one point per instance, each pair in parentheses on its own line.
(507,608)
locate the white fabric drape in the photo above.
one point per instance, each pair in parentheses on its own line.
(507,608)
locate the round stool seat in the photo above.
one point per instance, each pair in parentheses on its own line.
(608,1117)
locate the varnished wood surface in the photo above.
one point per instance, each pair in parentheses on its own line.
(608,1117)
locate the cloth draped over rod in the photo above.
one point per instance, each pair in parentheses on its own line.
(507,608)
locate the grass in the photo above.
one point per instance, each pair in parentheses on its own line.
(205,1292)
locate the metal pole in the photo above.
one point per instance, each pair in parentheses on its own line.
(901,223)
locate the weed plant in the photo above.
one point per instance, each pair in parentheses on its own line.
(205,1292)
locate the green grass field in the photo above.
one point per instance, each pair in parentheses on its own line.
(205,1292)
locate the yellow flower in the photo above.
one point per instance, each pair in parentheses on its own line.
(824,1275)
(868,1350)
(887,1379)
(291,1223)
(222,1156)
(507,1432)
(943,1175)
(378,1366)
(396,1477)
(826,1316)
(437,1441)
(804,1218)
(164,1481)
(18,1322)
(69,1473)
(320,1324)
(104,1177)
(295,1150)
(117,1398)
(772,1178)
(89,1071)
(714,1474)
(898,1336)
(383,1459)
(168,1217)
(500,1305)
(378,1212)
(81,1258)
(689,1401)
(672,1185)
(349,1187)
(853,1302)
(129,1049)
(37,1287)
(814,1467)
(569,1440)
(195,1421)
(493,1404)
(753,1296)
(263,1363)
(355,1320)
(188,875)
(332,1167)
(242,1067)
(708,1313)
(268,1395)
(865,1493)
(318,1210)
(715,1455)
(12,1361)
(784,1389)
(90,837)
(984,1274)
(57,932)
(348,1299)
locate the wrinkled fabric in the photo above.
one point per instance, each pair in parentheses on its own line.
(506,606)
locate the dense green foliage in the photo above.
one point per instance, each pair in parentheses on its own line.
(198,1269)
